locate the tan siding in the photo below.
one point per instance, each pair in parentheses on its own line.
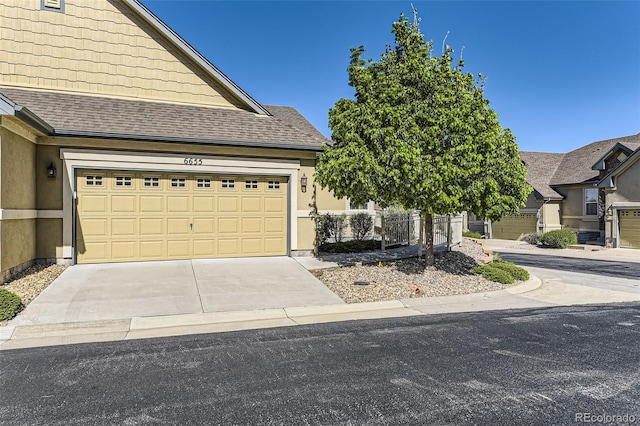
(98,46)
(17,168)
(628,184)
(18,243)
(49,239)
(306,233)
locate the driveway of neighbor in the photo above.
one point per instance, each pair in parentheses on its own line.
(125,290)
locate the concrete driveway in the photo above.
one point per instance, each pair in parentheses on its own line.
(126,290)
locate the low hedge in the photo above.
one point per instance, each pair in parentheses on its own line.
(352,246)
(10,304)
(560,238)
(514,270)
(470,234)
(493,274)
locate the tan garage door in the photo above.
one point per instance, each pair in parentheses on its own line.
(630,228)
(512,227)
(127,216)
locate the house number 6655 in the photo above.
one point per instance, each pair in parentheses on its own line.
(193,161)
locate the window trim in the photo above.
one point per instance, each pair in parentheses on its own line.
(177,187)
(585,203)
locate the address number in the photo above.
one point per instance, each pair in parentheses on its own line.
(190,161)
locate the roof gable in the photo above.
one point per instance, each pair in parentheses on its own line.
(113,48)
(601,163)
(608,182)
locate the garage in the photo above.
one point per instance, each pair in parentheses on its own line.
(630,228)
(512,227)
(124,216)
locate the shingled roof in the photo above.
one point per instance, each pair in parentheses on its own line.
(91,116)
(546,170)
(576,165)
(540,169)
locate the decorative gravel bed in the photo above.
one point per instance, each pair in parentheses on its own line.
(32,281)
(401,279)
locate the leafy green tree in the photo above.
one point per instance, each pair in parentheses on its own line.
(419,133)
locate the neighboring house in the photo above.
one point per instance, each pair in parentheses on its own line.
(120,142)
(594,190)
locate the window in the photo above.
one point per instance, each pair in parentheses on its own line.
(93,180)
(123,180)
(591,201)
(273,184)
(203,183)
(178,182)
(151,182)
(251,184)
(228,183)
(357,206)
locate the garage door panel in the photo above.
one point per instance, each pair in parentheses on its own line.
(204,226)
(228,225)
(155,216)
(151,249)
(151,204)
(177,226)
(228,204)
(512,227)
(93,227)
(152,227)
(228,247)
(93,203)
(630,228)
(204,248)
(177,204)
(123,227)
(251,246)
(274,225)
(178,248)
(204,204)
(123,250)
(274,205)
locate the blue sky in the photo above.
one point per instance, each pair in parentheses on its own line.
(561,74)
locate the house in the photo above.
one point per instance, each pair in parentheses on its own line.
(120,142)
(594,190)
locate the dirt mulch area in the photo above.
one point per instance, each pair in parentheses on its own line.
(32,281)
(401,279)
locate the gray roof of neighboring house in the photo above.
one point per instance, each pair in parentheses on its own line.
(91,116)
(576,165)
(546,170)
(540,169)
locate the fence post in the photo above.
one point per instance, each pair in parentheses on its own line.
(449,232)
(382,232)
(409,217)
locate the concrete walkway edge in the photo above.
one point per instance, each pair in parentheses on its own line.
(25,336)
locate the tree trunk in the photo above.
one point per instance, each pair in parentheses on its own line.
(428,240)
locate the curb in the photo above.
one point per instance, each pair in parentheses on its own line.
(27,336)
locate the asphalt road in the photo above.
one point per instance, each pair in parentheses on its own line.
(606,268)
(537,366)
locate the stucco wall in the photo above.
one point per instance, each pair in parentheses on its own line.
(98,46)
(325,200)
(17,243)
(627,186)
(49,239)
(49,191)
(551,216)
(17,167)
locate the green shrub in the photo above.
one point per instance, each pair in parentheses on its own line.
(514,270)
(560,238)
(361,225)
(532,239)
(493,274)
(470,234)
(10,304)
(330,226)
(353,246)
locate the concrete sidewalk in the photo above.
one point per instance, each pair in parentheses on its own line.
(531,294)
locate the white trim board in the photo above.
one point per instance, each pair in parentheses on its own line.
(21,214)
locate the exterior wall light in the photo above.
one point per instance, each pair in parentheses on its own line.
(51,171)
(303,183)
